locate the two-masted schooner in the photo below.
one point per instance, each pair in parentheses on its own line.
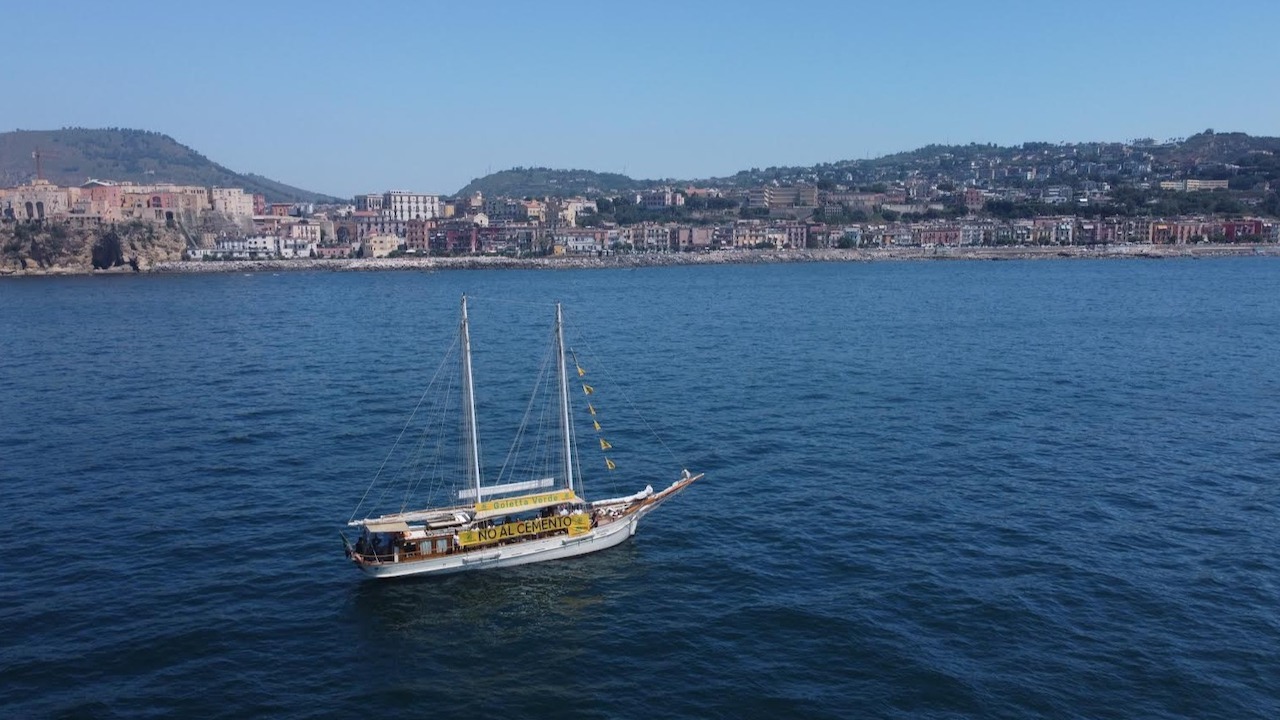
(508,523)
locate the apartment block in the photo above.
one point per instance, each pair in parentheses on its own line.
(401,205)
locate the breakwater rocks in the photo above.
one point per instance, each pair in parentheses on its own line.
(719,257)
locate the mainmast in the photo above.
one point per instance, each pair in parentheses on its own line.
(469,404)
(566,430)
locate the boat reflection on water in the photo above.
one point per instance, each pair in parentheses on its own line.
(536,601)
(522,638)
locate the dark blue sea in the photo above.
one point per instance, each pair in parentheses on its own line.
(933,490)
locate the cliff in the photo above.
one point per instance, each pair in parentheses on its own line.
(51,247)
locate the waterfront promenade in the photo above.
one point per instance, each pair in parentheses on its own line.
(717,257)
(721,257)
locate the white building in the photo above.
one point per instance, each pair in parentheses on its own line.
(371,203)
(659,199)
(297,247)
(243,248)
(401,205)
(235,203)
(305,230)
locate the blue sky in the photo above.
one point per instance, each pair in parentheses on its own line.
(346,97)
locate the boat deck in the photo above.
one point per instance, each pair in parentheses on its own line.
(445,544)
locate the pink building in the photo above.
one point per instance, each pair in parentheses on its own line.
(1234,230)
(103,199)
(945,235)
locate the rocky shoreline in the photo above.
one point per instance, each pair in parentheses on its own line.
(721,257)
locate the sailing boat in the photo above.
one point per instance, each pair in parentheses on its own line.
(508,523)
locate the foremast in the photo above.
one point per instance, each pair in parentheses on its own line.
(566,426)
(469,404)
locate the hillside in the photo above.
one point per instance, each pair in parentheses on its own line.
(72,155)
(1206,154)
(543,182)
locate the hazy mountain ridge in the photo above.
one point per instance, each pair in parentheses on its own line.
(71,156)
(541,182)
(1206,153)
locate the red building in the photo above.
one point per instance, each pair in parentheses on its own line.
(948,235)
(456,237)
(1234,230)
(417,234)
(973,199)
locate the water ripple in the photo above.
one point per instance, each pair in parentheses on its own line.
(991,490)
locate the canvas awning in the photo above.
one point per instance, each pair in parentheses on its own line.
(387,527)
(470,493)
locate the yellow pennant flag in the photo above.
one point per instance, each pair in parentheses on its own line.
(581,372)
(609,464)
(596,423)
(591,409)
(587,389)
(604,444)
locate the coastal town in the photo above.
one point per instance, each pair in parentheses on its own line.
(1048,197)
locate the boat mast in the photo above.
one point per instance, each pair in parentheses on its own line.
(469,404)
(565,428)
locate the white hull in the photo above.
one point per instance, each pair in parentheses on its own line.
(552,548)
(530,551)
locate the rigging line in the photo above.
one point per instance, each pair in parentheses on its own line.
(517,441)
(442,437)
(403,429)
(533,461)
(432,410)
(622,389)
(410,469)
(415,482)
(435,472)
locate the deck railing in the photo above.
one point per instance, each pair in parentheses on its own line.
(415,555)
